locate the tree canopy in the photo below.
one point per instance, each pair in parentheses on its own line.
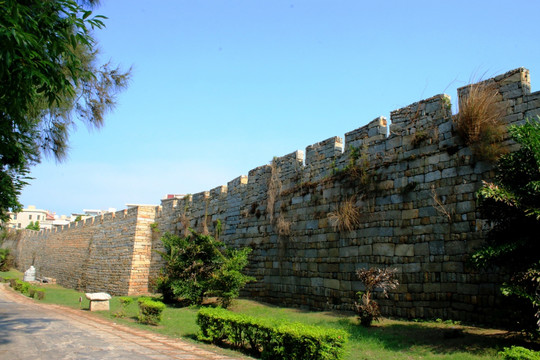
(199,265)
(49,79)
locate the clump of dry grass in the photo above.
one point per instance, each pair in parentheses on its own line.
(283,226)
(347,216)
(480,121)
(439,205)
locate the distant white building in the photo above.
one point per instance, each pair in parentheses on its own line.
(47,219)
(29,215)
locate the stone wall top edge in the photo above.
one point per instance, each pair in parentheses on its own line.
(94,220)
(414,106)
(521,70)
(375,131)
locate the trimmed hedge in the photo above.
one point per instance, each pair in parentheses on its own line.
(269,338)
(150,311)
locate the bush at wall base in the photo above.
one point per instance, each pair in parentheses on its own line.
(199,265)
(150,311)
(519,353)
(27,289)
(270,339)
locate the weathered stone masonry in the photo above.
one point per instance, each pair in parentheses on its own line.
(105,253)
(415,189)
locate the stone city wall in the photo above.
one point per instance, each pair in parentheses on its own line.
(108,253)
(413,183)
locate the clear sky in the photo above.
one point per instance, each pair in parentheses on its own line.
(221,87)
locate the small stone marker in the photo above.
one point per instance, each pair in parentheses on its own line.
(30,274)
(98,301)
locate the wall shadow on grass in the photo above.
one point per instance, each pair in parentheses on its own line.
(438,339)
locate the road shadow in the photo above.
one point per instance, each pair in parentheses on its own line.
(12,324)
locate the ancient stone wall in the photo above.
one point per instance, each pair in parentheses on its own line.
(413,186)
(108,253)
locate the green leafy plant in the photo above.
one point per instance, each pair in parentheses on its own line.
(199,265)
(155,227)
(6,260)
(33,226)
(36,293)
(124,303)
(357,169)
(269,338)
(150,311)
(39,294)
(373,278)
(519,353)
(20,286)
(512,203)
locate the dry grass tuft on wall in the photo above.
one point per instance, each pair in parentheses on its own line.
(480,121)
(283,226)
(347,216)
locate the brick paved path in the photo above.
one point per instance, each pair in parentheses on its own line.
(32,330)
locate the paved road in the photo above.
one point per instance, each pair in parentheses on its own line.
(33,331)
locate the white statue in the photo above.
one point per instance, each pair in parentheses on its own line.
(30,274)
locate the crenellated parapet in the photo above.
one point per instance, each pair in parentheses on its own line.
(321,156)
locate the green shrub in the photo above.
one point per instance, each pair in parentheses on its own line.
(124,303)
(36,293)
(199,265)
(519,353)
(40,294)
(150,311)
(511,203)
(268,338)
(25,287)
(6,260)
(20,286)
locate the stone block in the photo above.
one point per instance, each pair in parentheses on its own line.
(409,214)
(432,176)
(332,284)
(365,250)
(436,248)
(450,172)
(421,249)
(98,301)
(348,251)
(404,250)
(451,266)
(412,267)
(384,249)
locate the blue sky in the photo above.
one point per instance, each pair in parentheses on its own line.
(221,87)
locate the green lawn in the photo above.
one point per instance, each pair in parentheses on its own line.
(388,339)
